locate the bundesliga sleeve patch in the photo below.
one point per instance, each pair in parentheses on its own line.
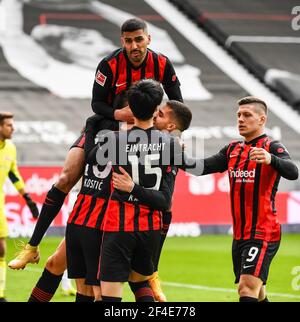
(174,77)
(280,150)
(100,78)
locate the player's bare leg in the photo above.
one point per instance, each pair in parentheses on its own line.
(72,170)
(57,262)
(249,288)
(155,285)
(111,291)
(97,293)
(84,292)
(51,276)
(57,265)
(2,268)
(71,173)
(262,297)
(141,288)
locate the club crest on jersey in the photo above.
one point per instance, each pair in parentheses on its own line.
(100,78)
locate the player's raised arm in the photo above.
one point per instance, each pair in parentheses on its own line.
(101,88)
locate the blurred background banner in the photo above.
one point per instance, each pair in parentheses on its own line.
(200,204)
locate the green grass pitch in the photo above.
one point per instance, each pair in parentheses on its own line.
(191,269)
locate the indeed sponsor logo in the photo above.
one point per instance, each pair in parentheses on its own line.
(241,174)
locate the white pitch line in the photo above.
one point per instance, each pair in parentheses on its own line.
(197,287)
(33,269)
(226,290)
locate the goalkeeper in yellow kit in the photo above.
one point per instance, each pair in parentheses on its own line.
(9,169)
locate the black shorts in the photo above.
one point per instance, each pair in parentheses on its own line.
(122,252)
(253,257)
(83,246)
(79,143)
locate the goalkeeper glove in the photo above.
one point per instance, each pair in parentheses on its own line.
(31,205)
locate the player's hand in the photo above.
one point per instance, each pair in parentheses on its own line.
(124,114)
(31,205)
(260,155)
(92,123)
(122,181)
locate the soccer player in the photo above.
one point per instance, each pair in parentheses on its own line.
(83,232)
(56,264)
(115,73)
(83,256)
(9,169)
(174,117)
(131,229)
(254,167)
(84,228)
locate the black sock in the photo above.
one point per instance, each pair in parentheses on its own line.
(84,298)
(265,300)
(166,219)
(248,299)
(111,299)
(45,287)
(142,291)
(51,207)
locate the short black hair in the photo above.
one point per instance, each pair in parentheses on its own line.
(144,97)
(254,100)
(133,25)
(5,115)
(181,113)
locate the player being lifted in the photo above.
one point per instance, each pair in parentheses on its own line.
(114,75)
(131,229)
(173,117)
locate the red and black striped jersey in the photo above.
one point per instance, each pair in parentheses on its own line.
(92,199)
(253,186)
(115,73)
(146,155)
